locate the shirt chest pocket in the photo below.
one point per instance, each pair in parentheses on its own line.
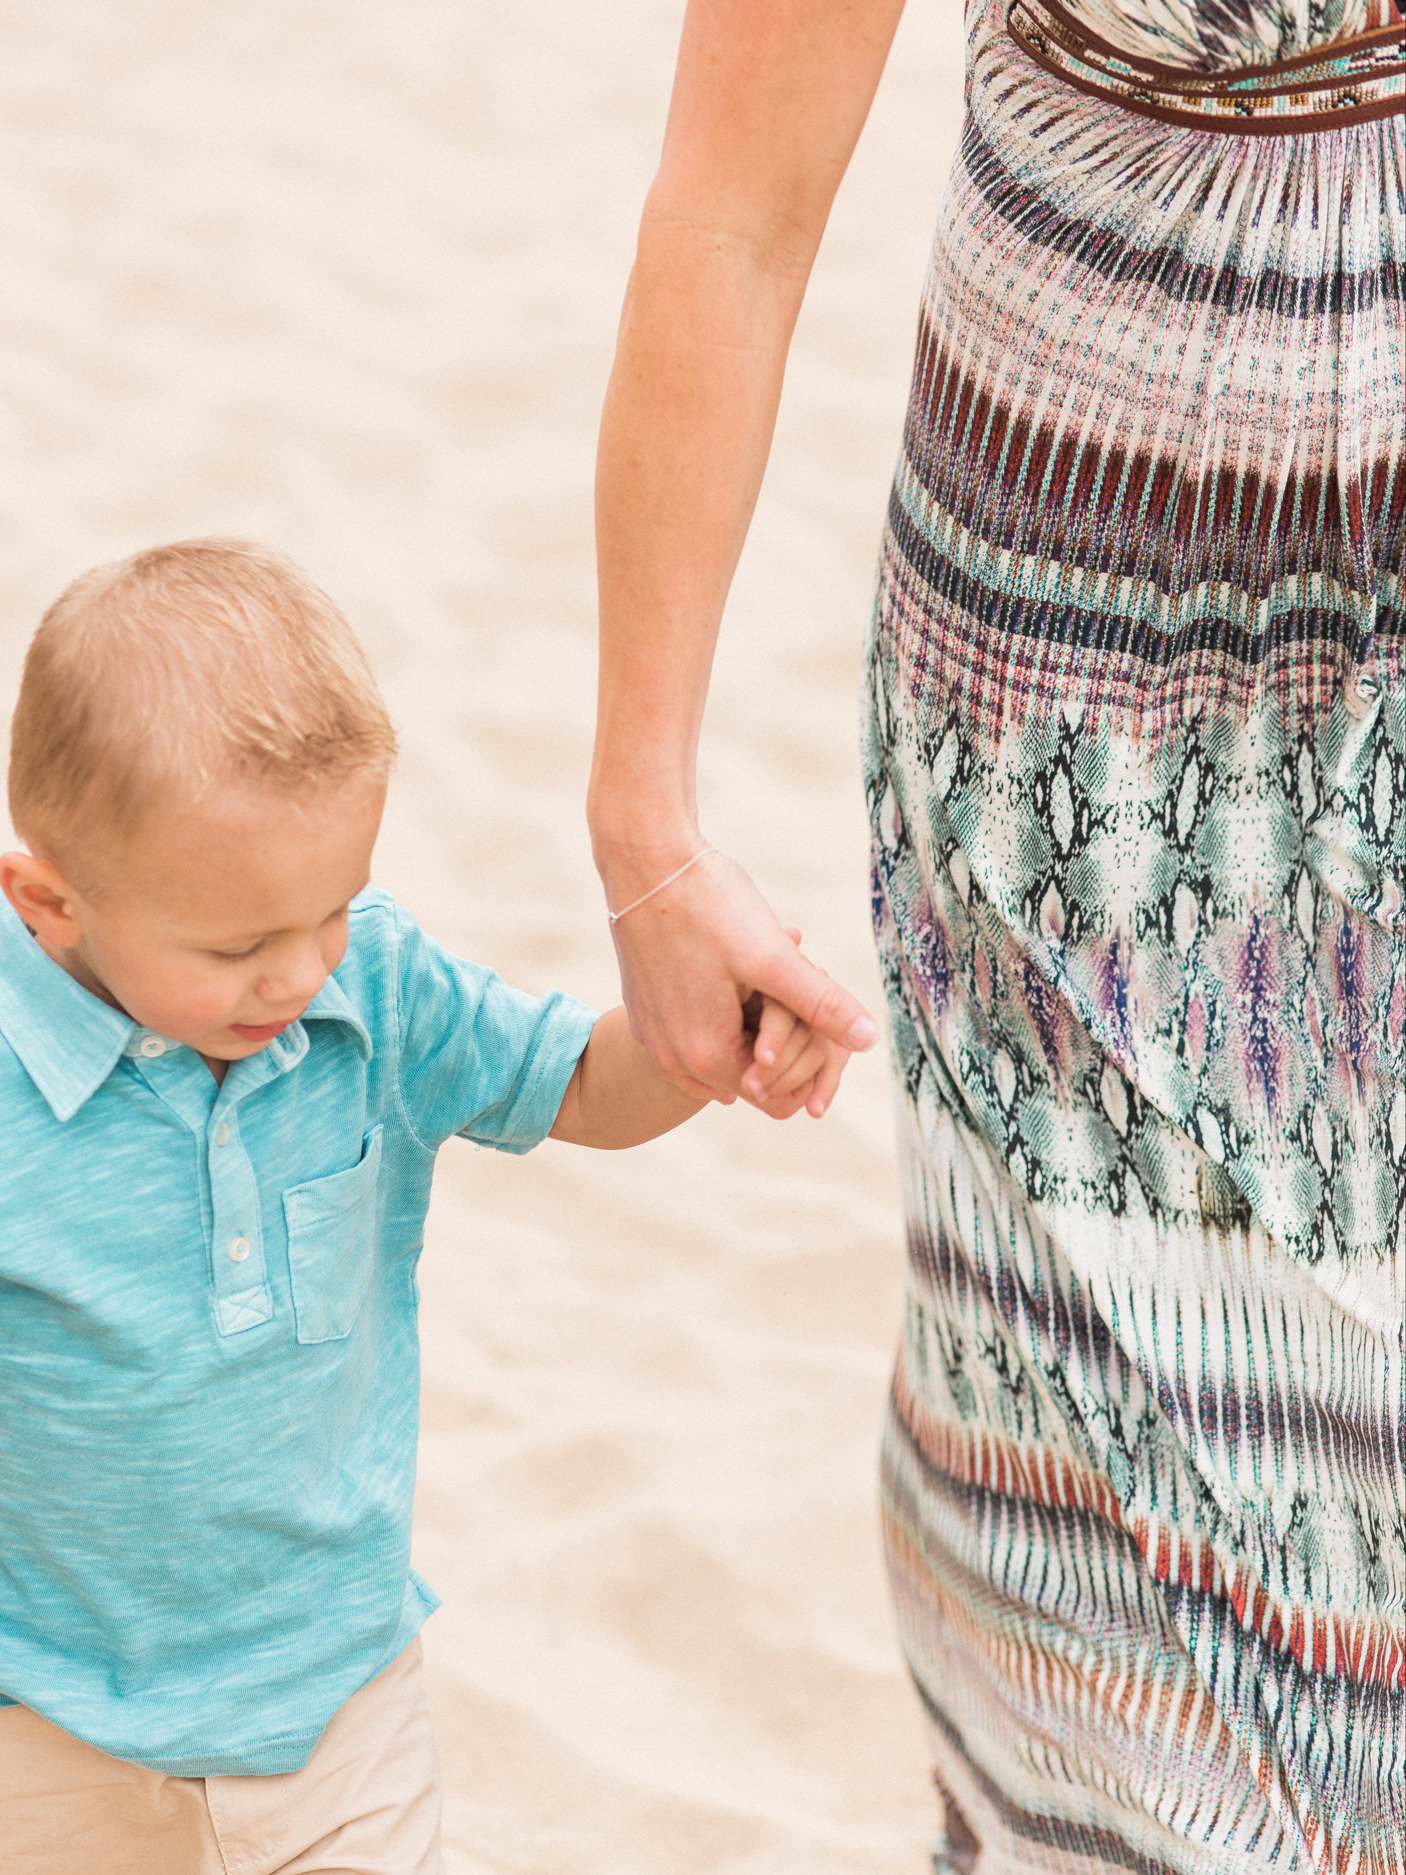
(332,1244)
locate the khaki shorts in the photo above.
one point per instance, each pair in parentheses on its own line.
(366,1803)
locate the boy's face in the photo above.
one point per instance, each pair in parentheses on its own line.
(214,924)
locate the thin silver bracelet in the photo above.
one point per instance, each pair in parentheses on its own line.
(635,903)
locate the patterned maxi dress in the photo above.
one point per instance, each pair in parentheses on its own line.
(1136,750)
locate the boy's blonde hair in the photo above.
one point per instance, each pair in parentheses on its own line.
(181,666)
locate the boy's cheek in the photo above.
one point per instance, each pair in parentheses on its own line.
(185,1008)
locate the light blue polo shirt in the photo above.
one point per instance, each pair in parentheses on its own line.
(209,1366)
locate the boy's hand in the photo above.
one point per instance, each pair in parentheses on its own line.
(793,1066)
(617,1097)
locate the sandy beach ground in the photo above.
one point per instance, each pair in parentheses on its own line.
(345,277)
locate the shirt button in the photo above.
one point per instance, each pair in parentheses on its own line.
(239,1249)
(152,1046)
(222,1134)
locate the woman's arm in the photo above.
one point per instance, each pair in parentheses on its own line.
(769,98)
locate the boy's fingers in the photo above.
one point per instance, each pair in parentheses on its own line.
(812,1085)
(791,1082)
(808,1075)
(781,1106)
(776,1028)
(802,1061)
(786,1052)
(827,1081)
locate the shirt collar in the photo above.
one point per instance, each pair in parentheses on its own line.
(67,1039)
(332,1004)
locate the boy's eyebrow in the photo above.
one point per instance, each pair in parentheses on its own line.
(239,940)
(233,940)
(214,938)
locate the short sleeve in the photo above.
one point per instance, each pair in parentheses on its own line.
(477,1057)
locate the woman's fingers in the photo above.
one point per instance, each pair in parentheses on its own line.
(705,1059)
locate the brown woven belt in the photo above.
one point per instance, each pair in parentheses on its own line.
(1347,82)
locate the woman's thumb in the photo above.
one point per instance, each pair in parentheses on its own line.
(826,1006)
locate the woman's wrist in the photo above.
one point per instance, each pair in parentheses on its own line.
(617,912)
(632,860)
(633,831)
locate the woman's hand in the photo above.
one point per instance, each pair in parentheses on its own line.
(768,100)
(725,1003)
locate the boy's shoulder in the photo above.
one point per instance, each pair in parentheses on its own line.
(372,918)
(367,977)
(382,935)
(394,974)
(472,1054)
(369,962)
(389,959)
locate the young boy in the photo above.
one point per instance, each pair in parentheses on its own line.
(225,1069)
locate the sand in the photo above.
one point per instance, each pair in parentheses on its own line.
(345,277)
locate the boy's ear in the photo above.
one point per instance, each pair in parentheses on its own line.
(42,897)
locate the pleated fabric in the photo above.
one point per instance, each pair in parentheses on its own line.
(1136,760)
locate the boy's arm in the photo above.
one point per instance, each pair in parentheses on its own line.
(616,1097)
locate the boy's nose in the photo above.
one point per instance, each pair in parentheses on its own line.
(296,980)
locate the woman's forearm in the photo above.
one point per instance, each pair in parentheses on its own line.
(684,441)
(769,99)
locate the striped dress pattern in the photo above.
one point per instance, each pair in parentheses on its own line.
(1136,763)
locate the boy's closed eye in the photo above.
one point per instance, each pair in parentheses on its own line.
(244,952)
